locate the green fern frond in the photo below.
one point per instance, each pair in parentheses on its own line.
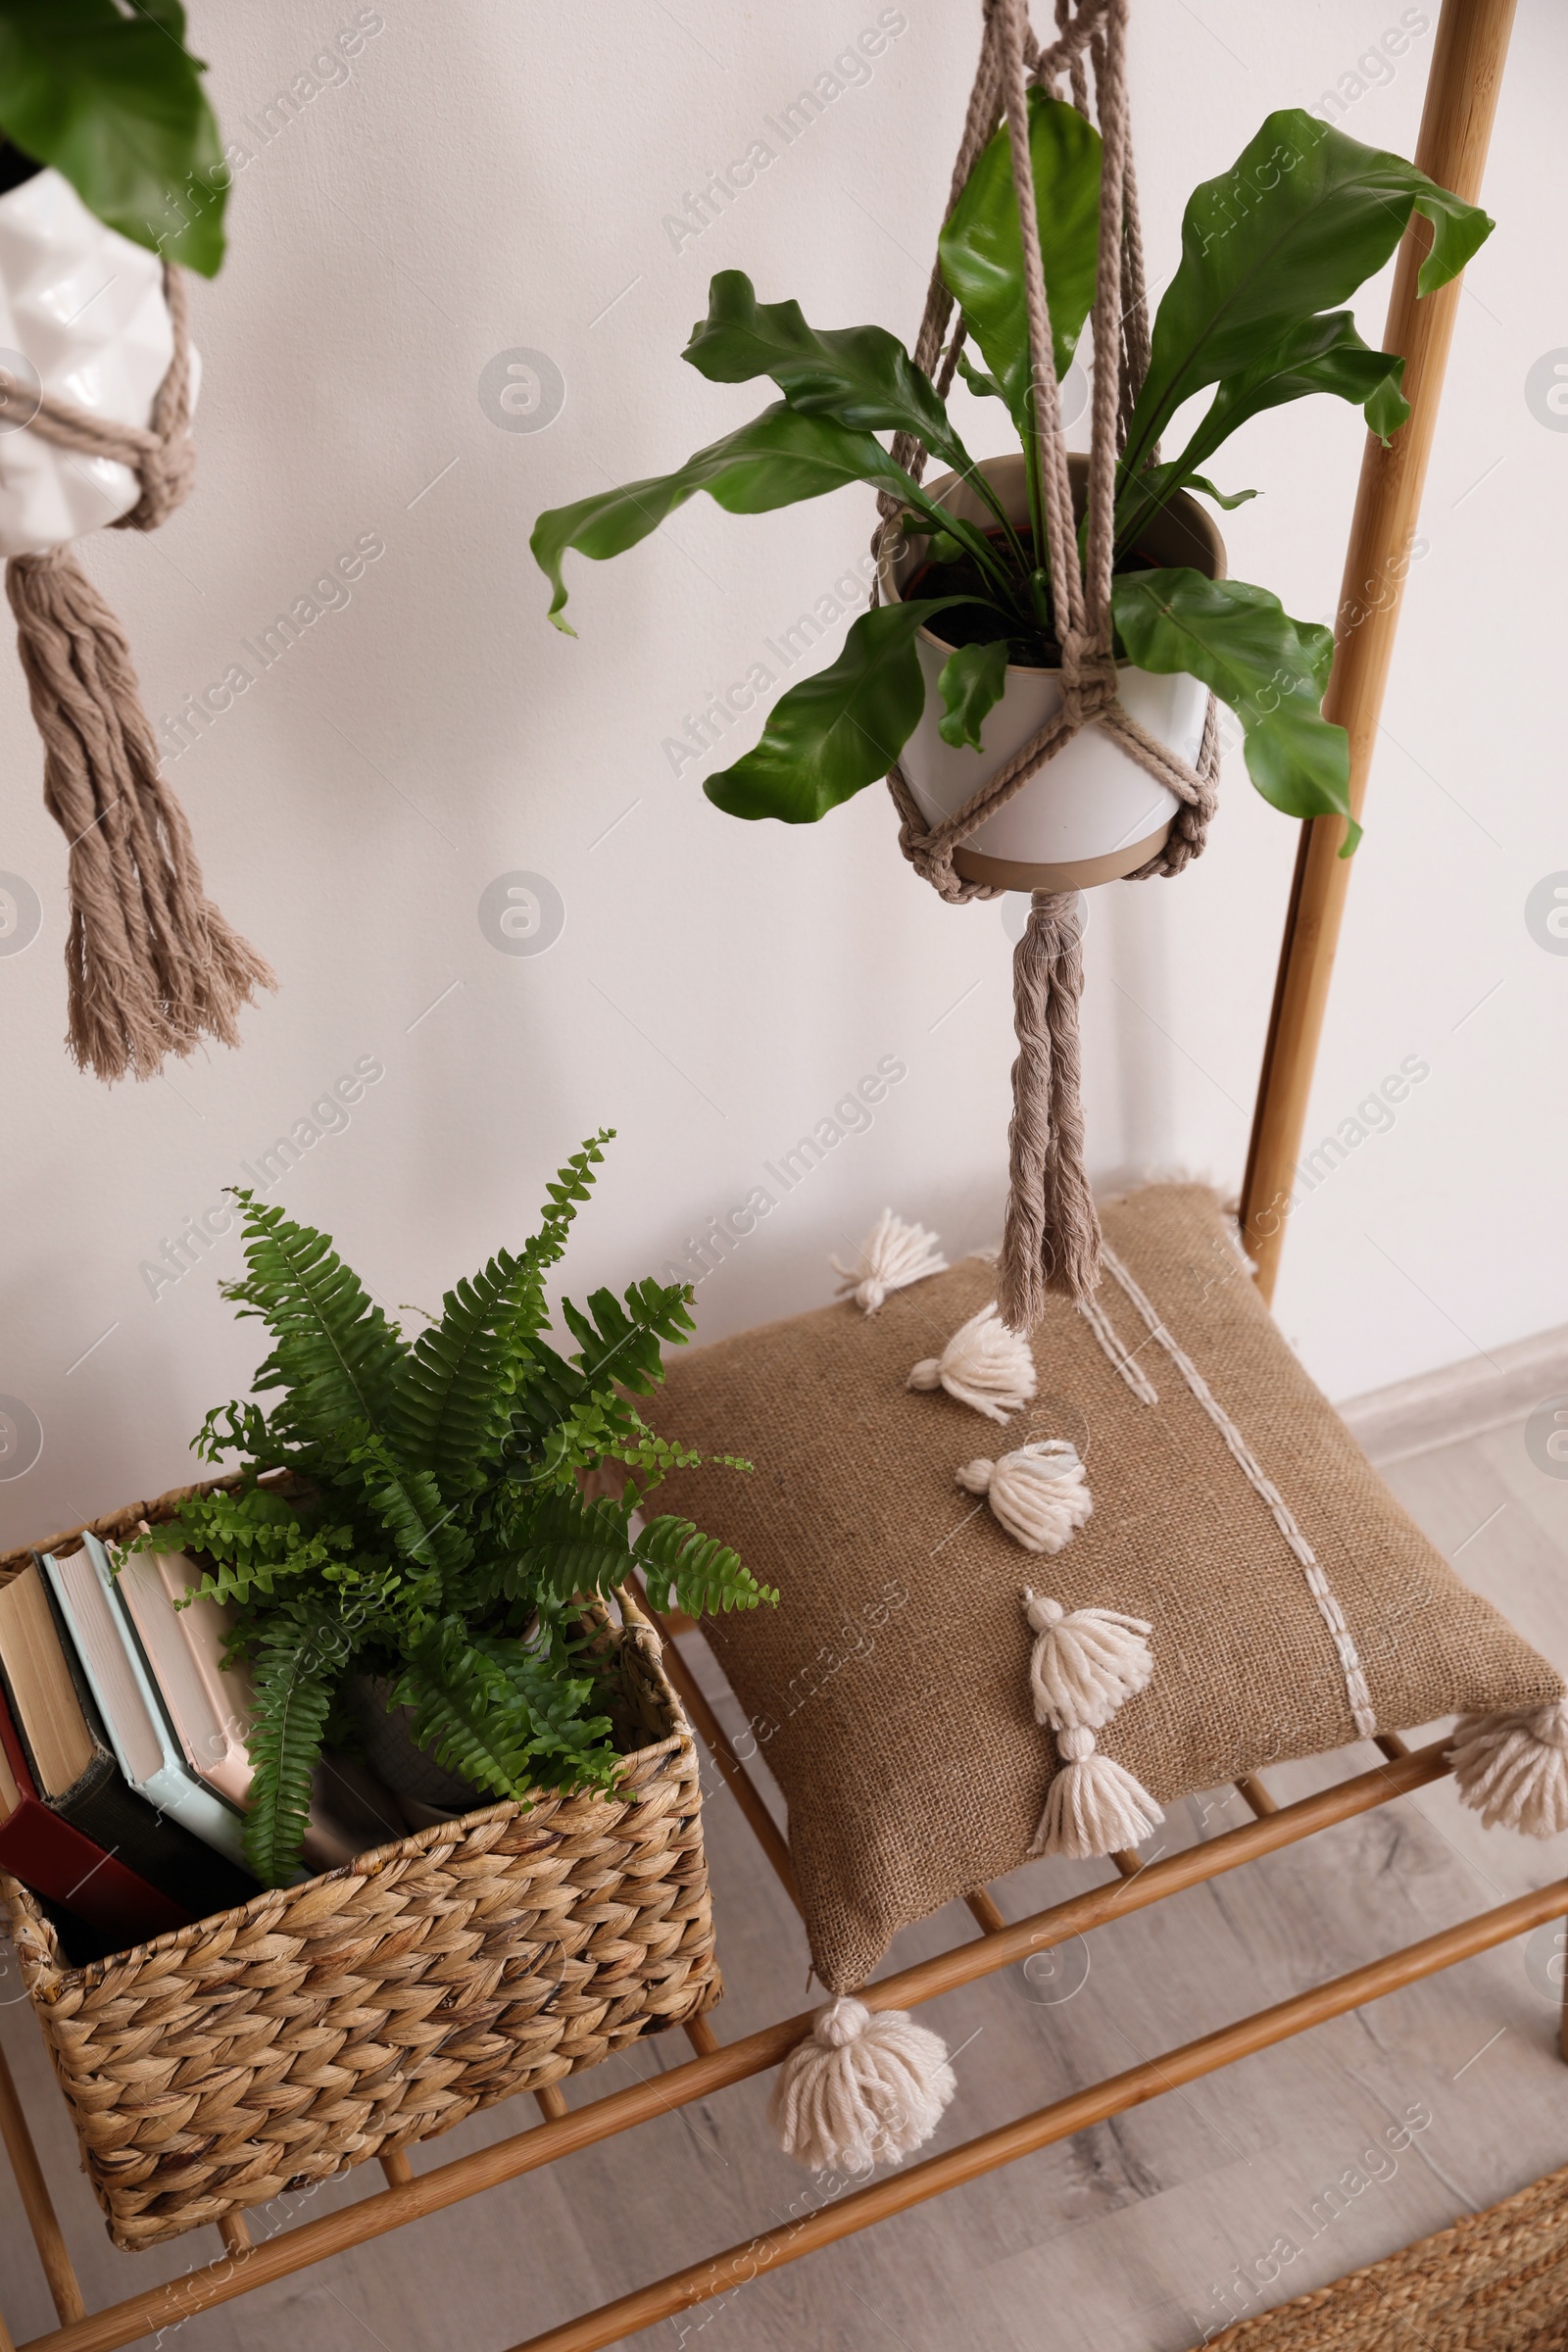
(334,1354)
(621,1344)
(452,1390)
(572,1186)
(560,1547)
(294,1673)
(408,1504)
(465,1710)
(696,1571)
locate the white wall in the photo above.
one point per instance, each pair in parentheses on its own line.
(495,175)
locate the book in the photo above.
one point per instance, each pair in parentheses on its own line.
(184,1637)
(72,1766)
(52,1857)
(140,1733)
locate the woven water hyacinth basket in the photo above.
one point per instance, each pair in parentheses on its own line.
(268,2047)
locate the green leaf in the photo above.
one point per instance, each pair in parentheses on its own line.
(1270,669)
(1303,218)
(1323,353)
(114,101)
(980,381)
(836,733)
(293,1672)
(973,680)
(335,1352)
(860,375)
(777,460)
(1228,499)
(695,1571)
(981,250)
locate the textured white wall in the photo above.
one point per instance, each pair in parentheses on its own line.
(492,177)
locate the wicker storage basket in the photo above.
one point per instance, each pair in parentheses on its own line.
(268,2047)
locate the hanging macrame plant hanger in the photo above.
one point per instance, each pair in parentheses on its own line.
(152,966)
(1050,1239)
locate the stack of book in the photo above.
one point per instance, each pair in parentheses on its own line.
(123,1766)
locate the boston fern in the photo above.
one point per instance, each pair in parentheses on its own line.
(434,1531)
(1302,219)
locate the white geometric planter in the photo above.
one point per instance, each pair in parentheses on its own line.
(1092,814)
(86,308)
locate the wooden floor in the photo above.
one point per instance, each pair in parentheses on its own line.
(1138,2236)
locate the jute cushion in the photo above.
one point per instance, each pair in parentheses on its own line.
(889,1690)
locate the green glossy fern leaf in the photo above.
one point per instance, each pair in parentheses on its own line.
(295,1667)
(452,1390)
(334,1353)
(695,1571)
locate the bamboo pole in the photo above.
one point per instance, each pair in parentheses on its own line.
(1467,60)
(448,2185)
(770,2249)
(53,2253)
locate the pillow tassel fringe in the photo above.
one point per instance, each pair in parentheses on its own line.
(1513,1769)
(984,1366)
(1038,1493)
(891,1256)
(1085,1661)
(1094,1805)
(867,2086)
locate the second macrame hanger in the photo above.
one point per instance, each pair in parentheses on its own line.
(1051,1236)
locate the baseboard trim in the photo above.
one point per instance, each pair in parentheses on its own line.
(1458,1400)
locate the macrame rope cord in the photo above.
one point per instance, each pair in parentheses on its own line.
(1051,1241)
(151,966)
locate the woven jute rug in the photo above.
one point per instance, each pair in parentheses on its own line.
(1497,2282)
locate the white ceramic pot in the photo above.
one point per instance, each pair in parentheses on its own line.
(86,307)
(1092,814)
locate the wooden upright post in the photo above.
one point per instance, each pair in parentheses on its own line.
(1472,42)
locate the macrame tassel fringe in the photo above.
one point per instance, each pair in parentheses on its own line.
(1513,1769)
(152,966)
(1050,1237)
(867,2086)
(891,1256)
(1094,1805)
(1039,1495)
(1085,1661)
(984,1366)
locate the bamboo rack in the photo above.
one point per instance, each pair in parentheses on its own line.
(1461,96)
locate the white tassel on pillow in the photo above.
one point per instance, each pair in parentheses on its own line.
(1513,1769)
(1085,1661)
(1094,1805)
(891,1256)
(867,2086)
(1039,1495)
(984,1366)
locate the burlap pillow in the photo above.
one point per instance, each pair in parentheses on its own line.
(889,1689)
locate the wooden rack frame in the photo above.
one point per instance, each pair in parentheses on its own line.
(1461,96)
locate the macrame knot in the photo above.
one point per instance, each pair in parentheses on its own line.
(892,1255)
(984,1366)
(1088,679)
(167,472)
(867,2086)
(1038,1494)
